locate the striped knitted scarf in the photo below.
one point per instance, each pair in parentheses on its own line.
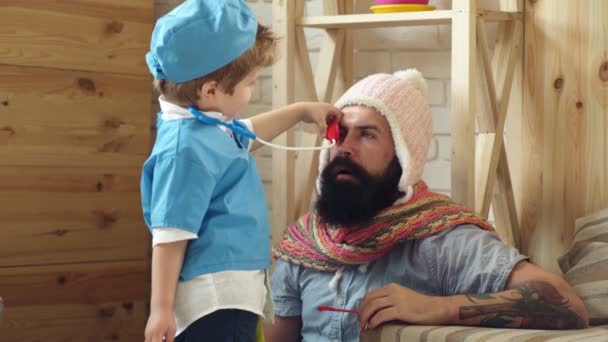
(315,245)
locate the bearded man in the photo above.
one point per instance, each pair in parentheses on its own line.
(379,243)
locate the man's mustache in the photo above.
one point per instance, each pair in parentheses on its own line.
(344,165)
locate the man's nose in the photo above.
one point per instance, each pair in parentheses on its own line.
(345,146)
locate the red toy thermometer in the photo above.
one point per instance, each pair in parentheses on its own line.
(333,131)
(329,308)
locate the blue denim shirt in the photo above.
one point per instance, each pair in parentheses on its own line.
(462,260)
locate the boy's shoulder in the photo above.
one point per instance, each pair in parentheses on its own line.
(189,139)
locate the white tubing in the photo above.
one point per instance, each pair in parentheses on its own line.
(333,143)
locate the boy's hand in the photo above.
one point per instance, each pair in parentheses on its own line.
(321,114)
(161,326)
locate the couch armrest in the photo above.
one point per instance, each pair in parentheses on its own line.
(420,333)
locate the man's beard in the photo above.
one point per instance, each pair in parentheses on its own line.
(355,201)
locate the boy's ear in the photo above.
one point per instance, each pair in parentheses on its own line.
(208,90)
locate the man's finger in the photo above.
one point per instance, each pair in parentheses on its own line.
(370,308)
(385,315)
(374,294)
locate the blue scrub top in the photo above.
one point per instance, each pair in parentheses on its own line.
(200,179)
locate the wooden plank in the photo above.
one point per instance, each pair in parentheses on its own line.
(306,91)
(594,106)
(48,36)
(325,82)
(358,21)
(487,98)
(514,140)
(305,161)
(499,16)
(75,323)
(511,5)
(486,112)
(327,67)
(65,157)
(283,14)
(514,147)
(45,228)
(89,119)
(88,113)
(140,11)
(64,179)
(84,283)
(505,210)
(507,52)
(463,102)
(345,74)
(489,151)
(565,173)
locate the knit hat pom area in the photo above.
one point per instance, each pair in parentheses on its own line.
(415,78)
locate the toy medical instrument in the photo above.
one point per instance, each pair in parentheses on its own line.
(332,133)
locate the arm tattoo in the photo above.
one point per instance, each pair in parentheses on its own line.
(534,305)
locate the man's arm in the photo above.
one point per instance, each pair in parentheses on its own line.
(284,329)
(534,299)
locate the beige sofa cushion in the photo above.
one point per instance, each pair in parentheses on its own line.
(414,333)
(585,265)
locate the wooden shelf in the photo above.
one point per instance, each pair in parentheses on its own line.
(356,21)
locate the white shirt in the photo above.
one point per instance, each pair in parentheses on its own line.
(208,293)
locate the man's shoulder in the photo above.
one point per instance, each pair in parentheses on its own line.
(455,239)
(463,230)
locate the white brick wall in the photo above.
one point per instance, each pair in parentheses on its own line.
(378,50)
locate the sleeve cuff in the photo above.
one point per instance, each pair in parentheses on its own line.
(284,309)
(501,280)
(170,234)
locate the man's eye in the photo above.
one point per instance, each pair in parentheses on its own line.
(368,134)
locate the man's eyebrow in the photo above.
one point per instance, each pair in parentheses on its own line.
(368,127)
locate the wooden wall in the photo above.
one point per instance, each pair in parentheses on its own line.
(74,132)
(558,142)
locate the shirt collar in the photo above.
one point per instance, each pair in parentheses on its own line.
(171,111)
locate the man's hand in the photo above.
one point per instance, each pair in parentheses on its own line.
(395,302)
(160,326)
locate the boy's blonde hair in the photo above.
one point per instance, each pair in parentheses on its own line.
(261,54)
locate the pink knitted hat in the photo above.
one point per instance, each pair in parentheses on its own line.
(401,98)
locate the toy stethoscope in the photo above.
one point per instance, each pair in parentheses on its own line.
(332,134)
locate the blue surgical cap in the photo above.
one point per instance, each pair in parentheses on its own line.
(199,37)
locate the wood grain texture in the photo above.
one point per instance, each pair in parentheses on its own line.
(140,11)
(565,172)
(463,80)
(84,111)
(55,227)
(88,283)
(92,35)
(75,103)
(123,321)
(66,179)
(283,79)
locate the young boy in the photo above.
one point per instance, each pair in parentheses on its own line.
(202,196)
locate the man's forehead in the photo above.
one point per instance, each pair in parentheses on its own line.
(362,115)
